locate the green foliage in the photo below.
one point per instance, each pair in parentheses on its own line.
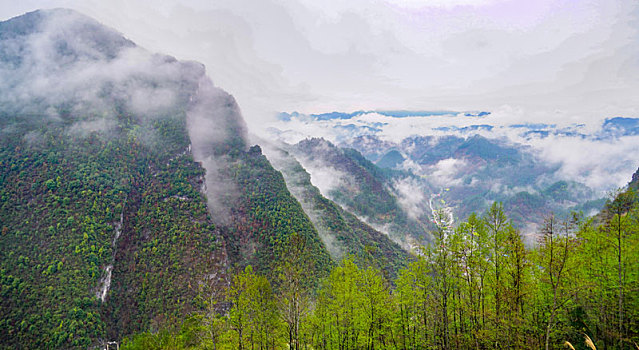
(64,198)
(253,317)
(266,216)
(476,286)
(365,192)
(189,335)
(352,311)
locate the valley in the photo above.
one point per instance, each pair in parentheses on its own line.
(139,206)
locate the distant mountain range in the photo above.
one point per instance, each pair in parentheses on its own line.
(394,114)
(467,162)
(611,127)
(131,190)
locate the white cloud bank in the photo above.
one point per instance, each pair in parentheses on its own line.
(316,56)
(602,163)
(560,62)
(63,66)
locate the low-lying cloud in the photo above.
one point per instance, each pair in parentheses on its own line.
(296,181)
(66,65)
(581,151)
(445,172)
(410,196)
(63,67)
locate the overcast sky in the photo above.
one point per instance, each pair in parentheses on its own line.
(563,61)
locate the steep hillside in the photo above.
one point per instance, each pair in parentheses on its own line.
(264,216)
(350,180)
(125,180)
(105,230)
(472,172)
(101,235)
(343,233)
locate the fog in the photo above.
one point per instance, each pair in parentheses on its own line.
(563,63)
(60,66)
(578,57)
(583,152)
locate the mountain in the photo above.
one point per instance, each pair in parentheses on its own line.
(470,159)
(105,228)
(350,180)
(471,172)
(343,233)
(130,191)
(634,182)
(420,174)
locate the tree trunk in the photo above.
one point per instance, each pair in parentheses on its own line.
(552,317)
(619,270)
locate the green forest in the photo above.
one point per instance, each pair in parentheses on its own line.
(64,197)
(477,286)
(136,207)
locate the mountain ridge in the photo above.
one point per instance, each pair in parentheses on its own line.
(145,194)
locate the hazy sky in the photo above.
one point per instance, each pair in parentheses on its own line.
(564,61)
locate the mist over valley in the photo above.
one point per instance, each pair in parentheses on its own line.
(160,202)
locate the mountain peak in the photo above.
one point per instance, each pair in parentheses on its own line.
(60,65)
(33,21)
(62,34)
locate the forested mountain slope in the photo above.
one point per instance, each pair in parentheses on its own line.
(80,213)
(477,286)
(356,184)
(129,191)
(105,230)
(343,233)
(264,216)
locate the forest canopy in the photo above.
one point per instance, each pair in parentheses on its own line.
(478,286)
